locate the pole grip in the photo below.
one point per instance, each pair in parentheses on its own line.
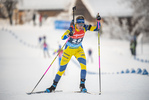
(73,9)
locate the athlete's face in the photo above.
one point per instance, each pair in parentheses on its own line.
(79,26)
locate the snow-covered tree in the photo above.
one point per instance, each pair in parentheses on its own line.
(140,17)
(10,5)
(114,29)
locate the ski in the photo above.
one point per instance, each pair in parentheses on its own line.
(85,92)
(39,92)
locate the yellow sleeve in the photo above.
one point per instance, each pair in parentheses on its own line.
(93,28)
(65,35)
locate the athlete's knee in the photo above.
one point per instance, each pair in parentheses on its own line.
(61,70)
(62,67)
(82,60)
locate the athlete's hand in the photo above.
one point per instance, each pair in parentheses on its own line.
(98,17)
(71,34)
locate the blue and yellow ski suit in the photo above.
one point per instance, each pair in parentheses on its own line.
(74,47)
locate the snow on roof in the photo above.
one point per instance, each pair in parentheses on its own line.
(43,4)
(108,7)
(103,7)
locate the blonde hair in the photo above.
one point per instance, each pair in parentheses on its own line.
(80,17)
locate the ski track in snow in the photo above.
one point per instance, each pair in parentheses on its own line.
(22,64)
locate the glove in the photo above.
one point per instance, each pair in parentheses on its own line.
(89,27)
(98,17)
(71,34)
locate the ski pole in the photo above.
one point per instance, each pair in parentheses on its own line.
(73,9)
(99,55)
(49,66)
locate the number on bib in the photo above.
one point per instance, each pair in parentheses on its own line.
(75,41)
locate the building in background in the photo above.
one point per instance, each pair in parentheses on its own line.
(62,10)
(88,8)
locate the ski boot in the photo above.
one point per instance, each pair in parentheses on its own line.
(52,88)
(82,86)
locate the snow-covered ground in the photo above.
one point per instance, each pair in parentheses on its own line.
(22,64)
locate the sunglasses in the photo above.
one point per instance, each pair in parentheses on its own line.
(80,24)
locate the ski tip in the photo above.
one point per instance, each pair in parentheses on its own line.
(28,93)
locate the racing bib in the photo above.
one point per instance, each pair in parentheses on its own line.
(75,41)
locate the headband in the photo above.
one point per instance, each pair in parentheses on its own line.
(80,21)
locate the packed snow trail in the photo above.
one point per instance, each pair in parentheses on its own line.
(21,68)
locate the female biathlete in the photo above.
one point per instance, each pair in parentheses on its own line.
(74,48)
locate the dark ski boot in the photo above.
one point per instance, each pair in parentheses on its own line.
(52,88)
(82,86)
